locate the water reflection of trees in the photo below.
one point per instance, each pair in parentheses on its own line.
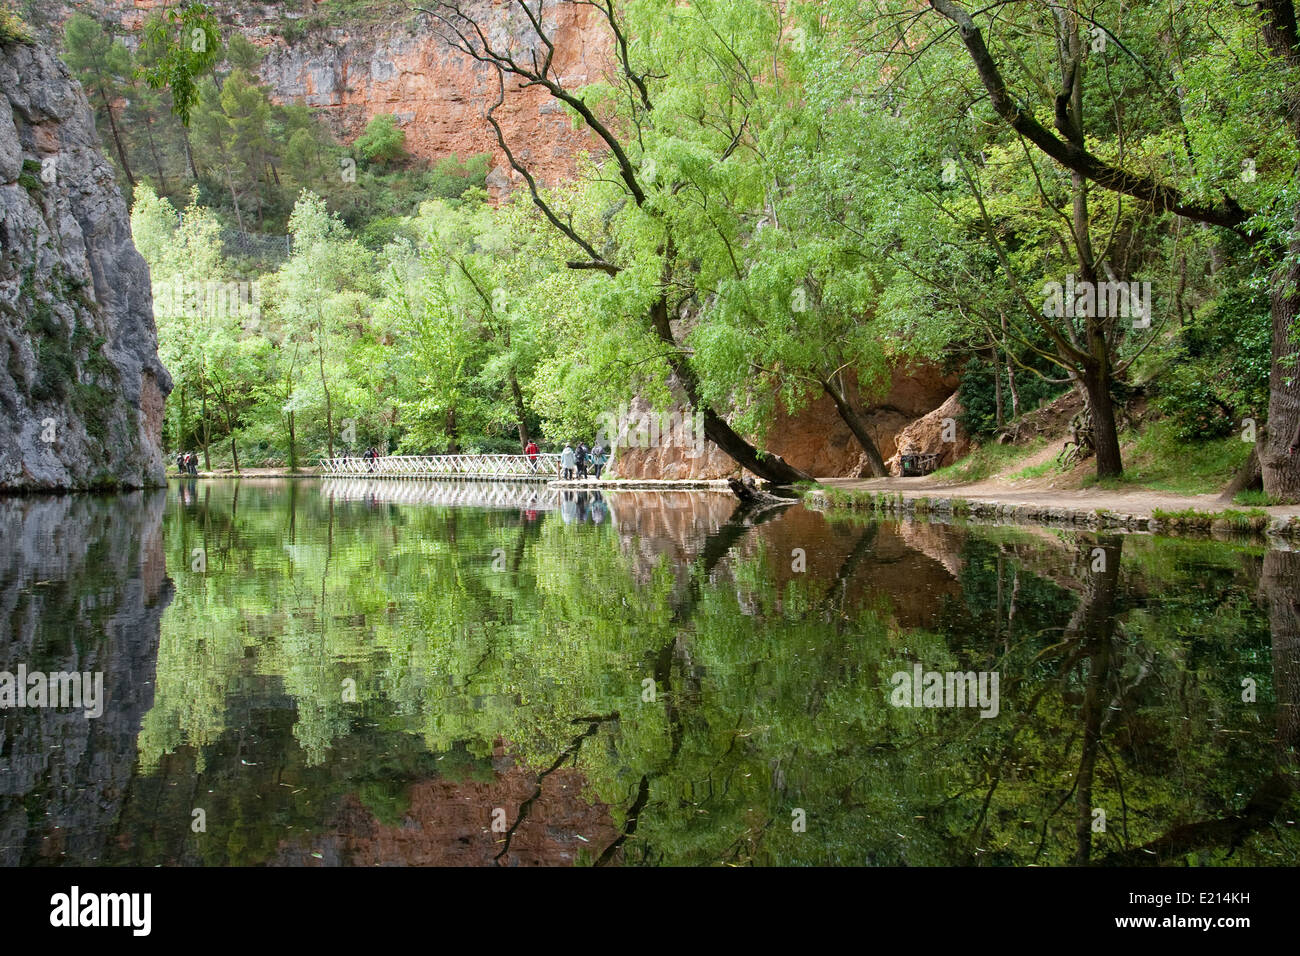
(1121,680)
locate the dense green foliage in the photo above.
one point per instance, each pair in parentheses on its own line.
(1217,372)
(814,196)
(382,141)
(988,404)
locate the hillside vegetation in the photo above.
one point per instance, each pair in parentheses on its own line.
(787,204)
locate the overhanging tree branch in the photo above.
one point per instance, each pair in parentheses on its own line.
(1073,155)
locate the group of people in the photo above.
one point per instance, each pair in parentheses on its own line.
(580,462)
(369,456)
(187,463)
(575,462)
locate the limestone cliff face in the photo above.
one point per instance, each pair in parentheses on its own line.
(81,387)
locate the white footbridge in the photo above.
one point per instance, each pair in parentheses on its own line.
(545,467)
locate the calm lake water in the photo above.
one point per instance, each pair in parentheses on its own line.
(383,673)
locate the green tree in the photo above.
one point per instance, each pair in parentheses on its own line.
(646,262)
(321,296)
(103,64)
(181,45)
(1250,56)
(382,141)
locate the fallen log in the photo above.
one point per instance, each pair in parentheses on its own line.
(750,494)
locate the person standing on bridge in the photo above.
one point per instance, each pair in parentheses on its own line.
(598,459)
(531,452)
(580,459)
(566,462)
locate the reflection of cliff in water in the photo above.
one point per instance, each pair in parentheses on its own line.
(916,565)
(382,799)
(83,586)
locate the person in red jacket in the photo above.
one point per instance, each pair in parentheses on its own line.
(531,452)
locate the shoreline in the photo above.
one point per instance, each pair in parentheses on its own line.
(248,473)
(1115,512)
(1135,511)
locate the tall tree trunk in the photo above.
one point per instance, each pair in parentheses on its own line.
(857,423)
(1096,367)
(257,194)
(453,445)
(234,445)
(1096,389)
(772,468)
(239,219)
(230,423)
(207,430)
(998,417)
(288,394)
(181,434)
(153,149)
(293,450)
(1011,371)
(189,153)
(329,404)
(203,412)
(1280,457)
(517,394)
(117,137)
(1096,371)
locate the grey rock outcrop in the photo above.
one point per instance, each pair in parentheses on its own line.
(81,386)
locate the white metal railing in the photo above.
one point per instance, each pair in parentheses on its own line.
(483,467)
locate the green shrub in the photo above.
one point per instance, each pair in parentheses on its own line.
(450,178)
(383,140)
(1217,373)
(12,28)
(978,395)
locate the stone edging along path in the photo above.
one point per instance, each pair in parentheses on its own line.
(1190,521)
(640,484)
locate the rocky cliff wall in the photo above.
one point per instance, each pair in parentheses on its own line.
(815,439)
(81,387)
